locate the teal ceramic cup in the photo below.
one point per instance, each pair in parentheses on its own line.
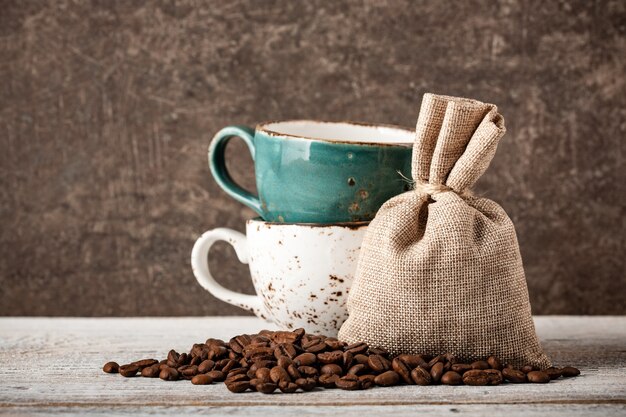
(318,172)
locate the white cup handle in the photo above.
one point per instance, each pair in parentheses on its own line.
(200,266)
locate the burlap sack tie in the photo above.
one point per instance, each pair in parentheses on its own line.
(440,270)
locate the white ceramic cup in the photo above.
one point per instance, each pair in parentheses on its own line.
(302,273)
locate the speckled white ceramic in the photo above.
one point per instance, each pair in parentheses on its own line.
(302,273)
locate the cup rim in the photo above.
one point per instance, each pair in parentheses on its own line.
(343,225)
(263,128)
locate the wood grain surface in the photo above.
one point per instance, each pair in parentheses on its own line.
(107,109)
(53,366)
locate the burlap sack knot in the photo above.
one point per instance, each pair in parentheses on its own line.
(439,269)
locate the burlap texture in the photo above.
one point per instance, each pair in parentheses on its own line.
(439,270)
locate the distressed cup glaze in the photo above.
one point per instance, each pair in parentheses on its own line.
(302,273)
(318,172)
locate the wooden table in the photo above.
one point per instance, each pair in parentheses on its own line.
(53,366)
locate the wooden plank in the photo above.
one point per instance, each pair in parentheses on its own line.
(55,365)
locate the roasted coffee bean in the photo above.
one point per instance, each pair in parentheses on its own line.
(357,369)
(378,363)
(214,342)
(293,372)
(151,371)
(216,375)
(305,359)
(128,370)
(357,348)
(514,375)
(235,346)
(538,377)
(307,384)
(201,379)
(266,387)
(285,337)
(421,376)
(287,387)
(379,351)
(348,382)
(111,368)
(285,349)
(553,372)
(334,344)
(328,380)
(361,359)
(196,360)
(278,374)
(451,359)
(144,363)
(461,368)
(367,381)
(528,368)
(436,372)
(569,371)
(284,361)
(451,378)
(263,374)
(168,374)
(402,369)
(241,386)
(216,352)
(316,348)
(237,371)
(251,374)
(494,363)
(188,370)
(330,357)
(243,340)
(236,378)
(436,359)
(482,377)
(480,365)
(308,371)
(387,379)
(348,360)
(263,364)
(331,369)
(413,361)
(230,364)
(206,366)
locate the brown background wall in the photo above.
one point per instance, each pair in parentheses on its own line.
(107,107)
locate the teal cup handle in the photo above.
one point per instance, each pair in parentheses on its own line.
(217,164)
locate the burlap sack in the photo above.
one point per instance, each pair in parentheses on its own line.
(440,270)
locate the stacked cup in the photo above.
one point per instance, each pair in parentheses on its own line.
(319,184)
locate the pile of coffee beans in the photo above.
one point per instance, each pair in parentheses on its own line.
(291,361)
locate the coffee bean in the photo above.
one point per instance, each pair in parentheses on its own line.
(235,346)
(402,369)
(357,348)
(357,369)
(285,349)
(378,363)
(330,357)
(285,337)
(413,361)
(111,368)
(263,374)
(569,371)
(494,363)
(436,372)
(367,381)
(328,380)
(538,377)
(241,386)
(206,366)
(308,371)
(266,387)
(421,376)
(334,344)
(527,368)
(480,365)
(201,380)
(243,340)
(216,375)
(144,363)
(278,374)
(347,360)
(284,361)
(316,348)
(451,378)
(460,368)
(379,351)
(151,371)
(293,372)
(348,382)
(237,371)
(482,377)
(168,374)
(129,370)
(306,384)
(553,372)
(305,359)
(188,370)
(514,375)
(436,359)
(236,378)
(387,379)
(287,387)
(360,359)
(230,364)
(195,360)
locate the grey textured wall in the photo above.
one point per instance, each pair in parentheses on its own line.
(107,108)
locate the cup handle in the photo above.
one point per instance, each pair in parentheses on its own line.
(217,164)
(200,266)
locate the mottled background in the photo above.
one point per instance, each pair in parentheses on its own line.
(107,108)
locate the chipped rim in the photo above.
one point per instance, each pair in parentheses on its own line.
(262,128)
(343,225)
